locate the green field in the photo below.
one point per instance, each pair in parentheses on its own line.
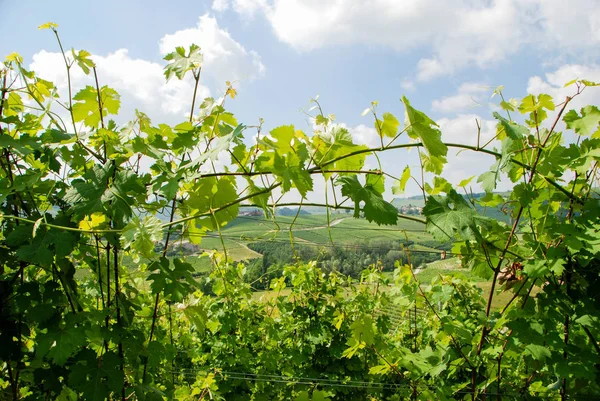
(310,230)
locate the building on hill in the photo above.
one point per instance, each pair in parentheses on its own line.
(255,212)
(410,209)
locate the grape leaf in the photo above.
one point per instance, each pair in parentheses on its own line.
(425,129)
(400,185)
(451,217)
(175,281)
(97,378)
(586,123)
(363,329)
(86,108)
(83,60)
(388,126)
(376,181)
(218,145)
(538,352)
(64,341)
(140,234)
(509,128)
(212,193)
(180,63)
(334,144)
(375,208)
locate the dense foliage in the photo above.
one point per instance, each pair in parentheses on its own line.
(349,260)
(75,323)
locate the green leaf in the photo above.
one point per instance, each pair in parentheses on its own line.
(585,124)
(218,145)
(302,396)
(400,185)
(174,278)
(532,103)
(507,106)
(451,217)
(375,208)
(260,199)
(64,341)
(39,251)
(335,144)
(509,128)
(589,321)
(388,126)
(284,137)
(66,394)
(536,268)
(212,193)
(139,235)
(425,129)
(97,378)
(83,60)
(440,184)
(56,136)
(538,352)
(320,395)
(13,105)
(363,329)
(180,63)
(86,108)
(488,181)
(320,119)
(376,181)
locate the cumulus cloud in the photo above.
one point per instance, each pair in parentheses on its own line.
(224,58)
(141,83)
(469,95)
(246,7)
(458,33)
(364,135)
(553,84)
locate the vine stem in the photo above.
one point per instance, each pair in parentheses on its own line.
(166,247)
(485,330)
(316,170)
(118,307)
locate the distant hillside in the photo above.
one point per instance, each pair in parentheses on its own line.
(411,201)
(491,212)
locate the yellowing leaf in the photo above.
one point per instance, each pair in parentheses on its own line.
(14,56)
(465,182)
(388,126)
(48,25)
(400,185)
(91,222)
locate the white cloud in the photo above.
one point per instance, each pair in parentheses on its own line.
(224,58)
(469,95)
(246,7)
(408,85)
(458,33)
(141,83)
(554,82)
(364,135)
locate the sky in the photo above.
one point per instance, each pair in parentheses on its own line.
(445,56)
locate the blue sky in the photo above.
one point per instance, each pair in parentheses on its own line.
(445,56)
